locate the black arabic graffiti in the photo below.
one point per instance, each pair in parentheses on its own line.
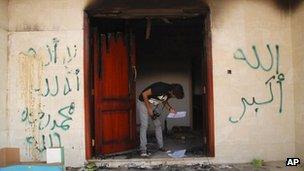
(279,77)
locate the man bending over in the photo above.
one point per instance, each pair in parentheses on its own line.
(155,94)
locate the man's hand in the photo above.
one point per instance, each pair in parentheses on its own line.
(172,110)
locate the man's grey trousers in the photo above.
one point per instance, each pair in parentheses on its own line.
(144,119)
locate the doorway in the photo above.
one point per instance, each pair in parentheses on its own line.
(173,53)
(123,57)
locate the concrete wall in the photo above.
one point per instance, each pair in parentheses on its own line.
(3,72)
(261,130)
(298,64)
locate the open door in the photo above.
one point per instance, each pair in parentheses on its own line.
(114,92)
(109,70)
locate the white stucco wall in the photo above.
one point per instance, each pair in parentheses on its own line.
(298,64)
(47,15)
(46,98)
(3,72)
(37,28)
(266,134)
(236,24)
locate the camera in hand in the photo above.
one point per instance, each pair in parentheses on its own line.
(155,115)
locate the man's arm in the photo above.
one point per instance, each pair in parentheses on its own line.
(169,107)
(146,94)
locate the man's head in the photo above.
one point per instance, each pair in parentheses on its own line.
(178,91)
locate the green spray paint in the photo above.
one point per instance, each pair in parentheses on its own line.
(277,78)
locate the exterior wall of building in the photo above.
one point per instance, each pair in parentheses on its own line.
(254,106)
(298,64)
(46,101)
(3,72)
(251,95)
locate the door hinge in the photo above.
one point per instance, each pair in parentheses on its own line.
(205,140)
(93,143)
(204,89)
(93,92)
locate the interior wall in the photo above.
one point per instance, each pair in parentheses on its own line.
(297,26)
(3,73)
(160,69)
(166,56)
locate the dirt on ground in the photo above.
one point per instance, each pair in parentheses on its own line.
(267,166)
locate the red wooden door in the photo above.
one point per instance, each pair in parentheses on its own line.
(114,92)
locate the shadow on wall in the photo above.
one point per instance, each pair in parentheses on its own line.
(287,5)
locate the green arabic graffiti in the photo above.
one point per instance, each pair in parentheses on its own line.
(41,146)
(239,55)
(65,112)
(44,122)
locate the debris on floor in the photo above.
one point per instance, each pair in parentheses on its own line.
(134,167)
(196,151)
(179,138)
(177,154)
(224,166)
(91,166)
(269,166)
(183,133)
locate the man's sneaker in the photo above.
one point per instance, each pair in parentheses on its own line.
(144,154)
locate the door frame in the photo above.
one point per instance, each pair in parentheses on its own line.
(88,101)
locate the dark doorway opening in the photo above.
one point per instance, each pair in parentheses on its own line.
(173,53)
(178,45)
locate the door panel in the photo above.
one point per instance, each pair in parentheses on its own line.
(114,93)
(115,74)
(118,129)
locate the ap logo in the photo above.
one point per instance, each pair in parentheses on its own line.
(292,161)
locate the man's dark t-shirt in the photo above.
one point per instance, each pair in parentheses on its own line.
(160,91)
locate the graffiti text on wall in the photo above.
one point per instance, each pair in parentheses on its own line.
(276,78)
(45,128)
(45,122)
